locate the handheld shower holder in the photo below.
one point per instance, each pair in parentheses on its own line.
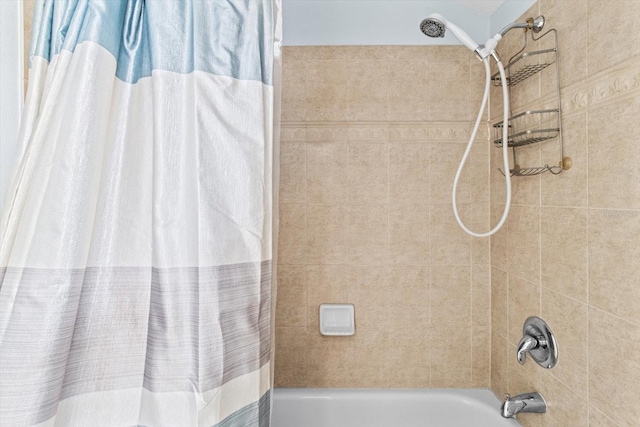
(536,24)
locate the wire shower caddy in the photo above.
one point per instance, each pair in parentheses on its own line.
(532,126)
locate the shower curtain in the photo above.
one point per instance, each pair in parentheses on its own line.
(136,242)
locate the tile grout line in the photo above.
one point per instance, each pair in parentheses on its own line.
(430,267)
(470,245)
(588,391)
(306,250)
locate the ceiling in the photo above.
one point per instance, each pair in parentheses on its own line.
(391,22)
(483,7)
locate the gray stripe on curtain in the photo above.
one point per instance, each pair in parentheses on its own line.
(256,414)
(109,328)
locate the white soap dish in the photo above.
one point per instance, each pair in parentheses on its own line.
(337,319)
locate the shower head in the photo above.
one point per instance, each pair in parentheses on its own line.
(434,26)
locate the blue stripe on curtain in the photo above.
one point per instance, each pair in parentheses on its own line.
(176,33)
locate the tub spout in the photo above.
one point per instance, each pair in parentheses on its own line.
(526,402)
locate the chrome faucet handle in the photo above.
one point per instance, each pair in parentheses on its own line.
(539,342)
(526,344)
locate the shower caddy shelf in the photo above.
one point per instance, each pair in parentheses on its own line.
(526,65)
(532,126)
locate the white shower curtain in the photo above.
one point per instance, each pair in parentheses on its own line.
(136,251)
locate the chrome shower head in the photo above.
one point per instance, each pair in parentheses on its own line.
(432,27)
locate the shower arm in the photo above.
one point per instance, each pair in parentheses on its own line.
(533,24)
(513,25)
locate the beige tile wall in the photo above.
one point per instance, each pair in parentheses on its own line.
(370,145)
(571,250)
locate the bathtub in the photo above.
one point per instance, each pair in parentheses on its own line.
(300,407)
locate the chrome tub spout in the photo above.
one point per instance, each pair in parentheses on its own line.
(525,402)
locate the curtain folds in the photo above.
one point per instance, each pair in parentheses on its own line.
(137,240)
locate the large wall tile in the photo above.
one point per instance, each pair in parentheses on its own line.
(614,152)
(481,296)
(291,308)
(450,296)
(565,408)
(326,90)
(499,240)
(293,172)
(294,93)
(368,172)
(569,322)
(292,238)
(450,89)
(328,360)
(409,234)
(291,357)
(614,270)
(524,242)
(480,170)
(409,173)
(569,17)
(367,89)
(451,356)
(327,177)
(409,89)
(499,375)
(327,239)
(368,234)
(614,367)
(499,300)
(369,361)
(409,357)
(450,245)
(619,40)
(481,357)
(565,251)
(598,419)
(480,223)
(409,296)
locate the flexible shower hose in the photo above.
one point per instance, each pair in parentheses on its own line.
(505,149)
